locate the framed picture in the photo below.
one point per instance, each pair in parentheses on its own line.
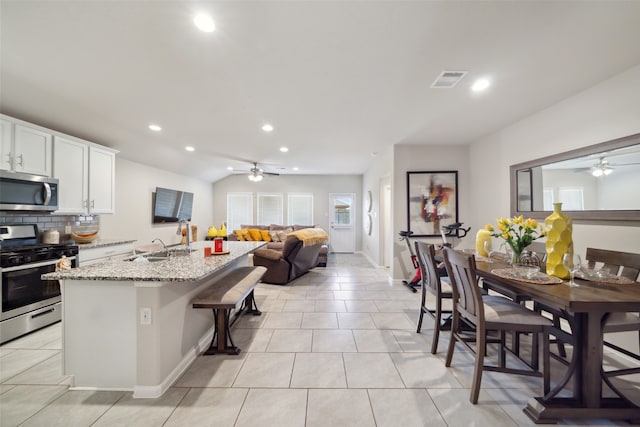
(432,201)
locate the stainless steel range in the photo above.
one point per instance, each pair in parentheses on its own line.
(28,302)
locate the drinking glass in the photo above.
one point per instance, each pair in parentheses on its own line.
(488,248)
(572,263)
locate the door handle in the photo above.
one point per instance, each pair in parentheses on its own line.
(47,194)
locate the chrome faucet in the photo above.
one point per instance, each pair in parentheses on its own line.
(164,247)
(188,234)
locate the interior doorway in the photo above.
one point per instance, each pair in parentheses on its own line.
(342,234)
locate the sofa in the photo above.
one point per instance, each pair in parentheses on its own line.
(299,253)
(275,236)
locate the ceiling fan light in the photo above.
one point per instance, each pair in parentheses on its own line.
(597,172)
(258,178)
(607,171)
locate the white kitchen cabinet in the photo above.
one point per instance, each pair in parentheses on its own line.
(6,144)
(71,167)
(25,149)
(87,177)
(88,256)
(102,180)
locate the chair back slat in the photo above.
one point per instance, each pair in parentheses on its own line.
(427,262)
(539,250)
(615,261)
(461,268)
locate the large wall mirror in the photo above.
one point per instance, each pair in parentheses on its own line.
(599,182)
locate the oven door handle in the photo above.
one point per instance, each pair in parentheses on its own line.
(34,265)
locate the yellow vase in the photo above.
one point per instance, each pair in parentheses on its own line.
(558,229)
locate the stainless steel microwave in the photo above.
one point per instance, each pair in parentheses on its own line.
(24,192)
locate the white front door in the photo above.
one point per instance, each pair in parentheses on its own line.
(342,236)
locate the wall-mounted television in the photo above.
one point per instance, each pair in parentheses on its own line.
(171,205)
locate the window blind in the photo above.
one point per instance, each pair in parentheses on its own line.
(300,208)
(270,208)
(239,210)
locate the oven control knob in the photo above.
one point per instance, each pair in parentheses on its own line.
(15,260)
(25,259)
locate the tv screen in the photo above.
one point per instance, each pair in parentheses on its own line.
(172,205)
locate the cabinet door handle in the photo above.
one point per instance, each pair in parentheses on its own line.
(20,163)
(84,203)
(93,204)
(9,158)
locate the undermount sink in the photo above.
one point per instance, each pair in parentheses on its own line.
(149,258)
(156,258)
(160,256)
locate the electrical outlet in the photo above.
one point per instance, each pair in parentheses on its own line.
(67,229)
(145,316)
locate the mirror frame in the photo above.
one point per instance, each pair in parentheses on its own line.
(594,215)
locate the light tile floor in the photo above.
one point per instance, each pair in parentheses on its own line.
(337,347)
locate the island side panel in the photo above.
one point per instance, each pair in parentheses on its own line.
(177,335)
(99,334)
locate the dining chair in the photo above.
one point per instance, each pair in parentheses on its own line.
(491,313)
(624,264)
(439,287)
(534,254)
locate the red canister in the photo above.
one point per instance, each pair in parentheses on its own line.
(217,244)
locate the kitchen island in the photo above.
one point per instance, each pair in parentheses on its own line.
(129,324)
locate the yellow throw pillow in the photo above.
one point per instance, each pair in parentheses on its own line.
(239,234)
(265,235)
(246,235)
(255,234)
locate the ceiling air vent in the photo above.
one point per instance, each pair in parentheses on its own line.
(448,79)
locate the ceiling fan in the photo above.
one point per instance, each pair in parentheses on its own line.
(604,167)
(256,174)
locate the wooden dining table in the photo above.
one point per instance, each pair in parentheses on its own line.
(586,306)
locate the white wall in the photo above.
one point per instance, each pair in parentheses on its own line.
(319,185)
(418,158)
(607,111)
(381,167)
(135,184)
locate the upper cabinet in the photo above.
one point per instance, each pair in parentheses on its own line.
(87,176)
(25,149)
(86,171)
(102,180)
(71,167)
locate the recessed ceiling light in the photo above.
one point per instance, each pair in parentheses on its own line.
(267,127)
(229,168)
(480,85)
(284,149)
(204,23)
(155,127)
(296,168)
(189,148)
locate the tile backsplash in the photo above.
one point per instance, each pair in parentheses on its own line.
(76,223)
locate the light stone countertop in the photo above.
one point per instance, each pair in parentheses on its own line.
(99,243)
(180,268)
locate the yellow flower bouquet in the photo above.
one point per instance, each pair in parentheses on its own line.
(517,232)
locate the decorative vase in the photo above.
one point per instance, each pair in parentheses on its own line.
(558,229)
(515,256)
